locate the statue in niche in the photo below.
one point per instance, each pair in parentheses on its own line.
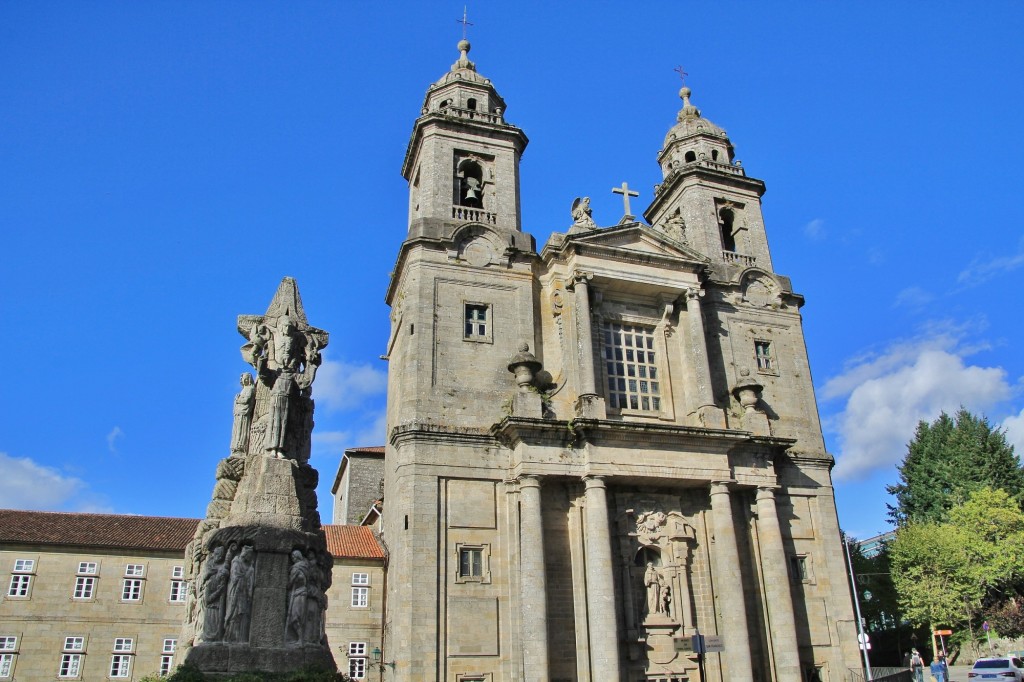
(666,595)
(211,594)
(298,591)
(582,213)
(653,582)
(239,598)
(316,600)
(245,401)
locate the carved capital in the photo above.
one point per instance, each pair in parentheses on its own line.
(766,492)
(694,294)
(581,277)
(720,487)
(591,481)
(529,481)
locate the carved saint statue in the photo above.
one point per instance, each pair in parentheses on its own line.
(316,601)
(666,597)
(239,601)
(244,403)
(653,582)
(280,397)
(581,212)
(211,593)
(298,589)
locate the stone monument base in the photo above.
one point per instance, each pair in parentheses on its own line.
(219,659)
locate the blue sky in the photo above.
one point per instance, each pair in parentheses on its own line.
(164,164)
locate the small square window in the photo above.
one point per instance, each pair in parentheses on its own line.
(357,648)
(360,597)
(88,568)
(170,645)
(478,322)
(765,357)
(132,590)
(471,562)
(20,584)
(24,565)
(124,644)
(85,587)
(74,644)
(360,578)
(133,570)
(70,665)
(178,572)
(8,643)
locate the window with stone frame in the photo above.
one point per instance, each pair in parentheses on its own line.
(478,325)
(631,367)
(178,585)
(134,570)
(70,666)
(473,563)
(8,649)
(800,568)
(360,591)
(765,357)
(167,656)
(131,590)
(85,587)
(87,568)
(357,660)
(121,661)
(21,578)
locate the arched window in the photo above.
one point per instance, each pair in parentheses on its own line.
(471,104)
(714,155)
(471,184)
(690,156)
(726,218)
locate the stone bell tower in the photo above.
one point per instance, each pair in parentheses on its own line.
(258,566)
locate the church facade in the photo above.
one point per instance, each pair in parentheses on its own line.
(600,449)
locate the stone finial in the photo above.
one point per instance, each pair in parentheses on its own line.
(688,110)
(747,391)
(524,365)
(463,61)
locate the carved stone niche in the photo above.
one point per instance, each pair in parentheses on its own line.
(760,290)
(477,246)
(656,553)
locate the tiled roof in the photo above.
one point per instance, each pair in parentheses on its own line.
(353,542)
(371,450)
(122,531)
(96,530)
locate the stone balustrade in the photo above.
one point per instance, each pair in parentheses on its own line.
(734,258)
(474,215)
(473,115)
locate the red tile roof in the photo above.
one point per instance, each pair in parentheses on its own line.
(353,542)
(96,530)
(371,450)
(122,531)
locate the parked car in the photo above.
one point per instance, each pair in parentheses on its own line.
(998,668)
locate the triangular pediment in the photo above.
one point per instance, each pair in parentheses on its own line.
(634,240)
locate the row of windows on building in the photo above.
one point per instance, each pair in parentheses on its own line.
(86,579)
(72,657)
(630,364)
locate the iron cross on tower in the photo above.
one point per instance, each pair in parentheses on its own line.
(464,22)
(682,74)
(626,194)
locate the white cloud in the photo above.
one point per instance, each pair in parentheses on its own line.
(887,395)
(115,434)
(912,297)
(815,229)
(369,432)
(984,268)
(343,386)
(27,485)
(1014,426)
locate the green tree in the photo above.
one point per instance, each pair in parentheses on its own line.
(946,461)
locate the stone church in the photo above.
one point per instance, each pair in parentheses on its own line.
(602,447)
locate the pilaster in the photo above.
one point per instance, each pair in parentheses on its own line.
(604,638)
(729,587)
(533,628)
(778,596)
(702,402)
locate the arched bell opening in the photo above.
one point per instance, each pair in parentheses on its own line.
(471,184)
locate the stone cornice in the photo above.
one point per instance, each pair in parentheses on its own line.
(443,122)
(431,432)
(669,187)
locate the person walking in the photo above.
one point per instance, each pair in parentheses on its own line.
(916,665)
(938,669)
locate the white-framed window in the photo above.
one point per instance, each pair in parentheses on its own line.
(74,644)
(360,578)
(135,570)
(478,323)
(765,357)
(177,591)
(177,572)
(6,666)
(131,590)
(20,584)
(167,656)
(85,587)
(357,660)
(24,565)
(631,367)
(123,644)
(360,597)
(70,665)
(87,568)
(120,665)
(471,562)
(8,643)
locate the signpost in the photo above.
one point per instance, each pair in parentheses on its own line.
(942,642)
(988,634)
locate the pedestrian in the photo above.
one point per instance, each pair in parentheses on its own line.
(916,665)
(938,669)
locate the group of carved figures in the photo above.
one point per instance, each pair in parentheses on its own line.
(225,592)
(659,592)
(308,580)
(276,352)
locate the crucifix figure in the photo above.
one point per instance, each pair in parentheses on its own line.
(682,74)
(626,194)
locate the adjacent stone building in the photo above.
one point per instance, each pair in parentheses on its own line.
(102,596)
(602,447)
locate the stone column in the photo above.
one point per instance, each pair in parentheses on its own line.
(702,399)
(729,587)
(533,595)
(777,594)
(604,631)
(588,403)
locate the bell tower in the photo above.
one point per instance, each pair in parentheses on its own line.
(462,163)
(706,199)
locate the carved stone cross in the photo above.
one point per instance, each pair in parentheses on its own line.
(626,194)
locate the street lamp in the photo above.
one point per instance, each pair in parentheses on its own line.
(379,663)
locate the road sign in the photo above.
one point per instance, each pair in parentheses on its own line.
(863,638)
(865,647)
(944,632)
(713,644)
